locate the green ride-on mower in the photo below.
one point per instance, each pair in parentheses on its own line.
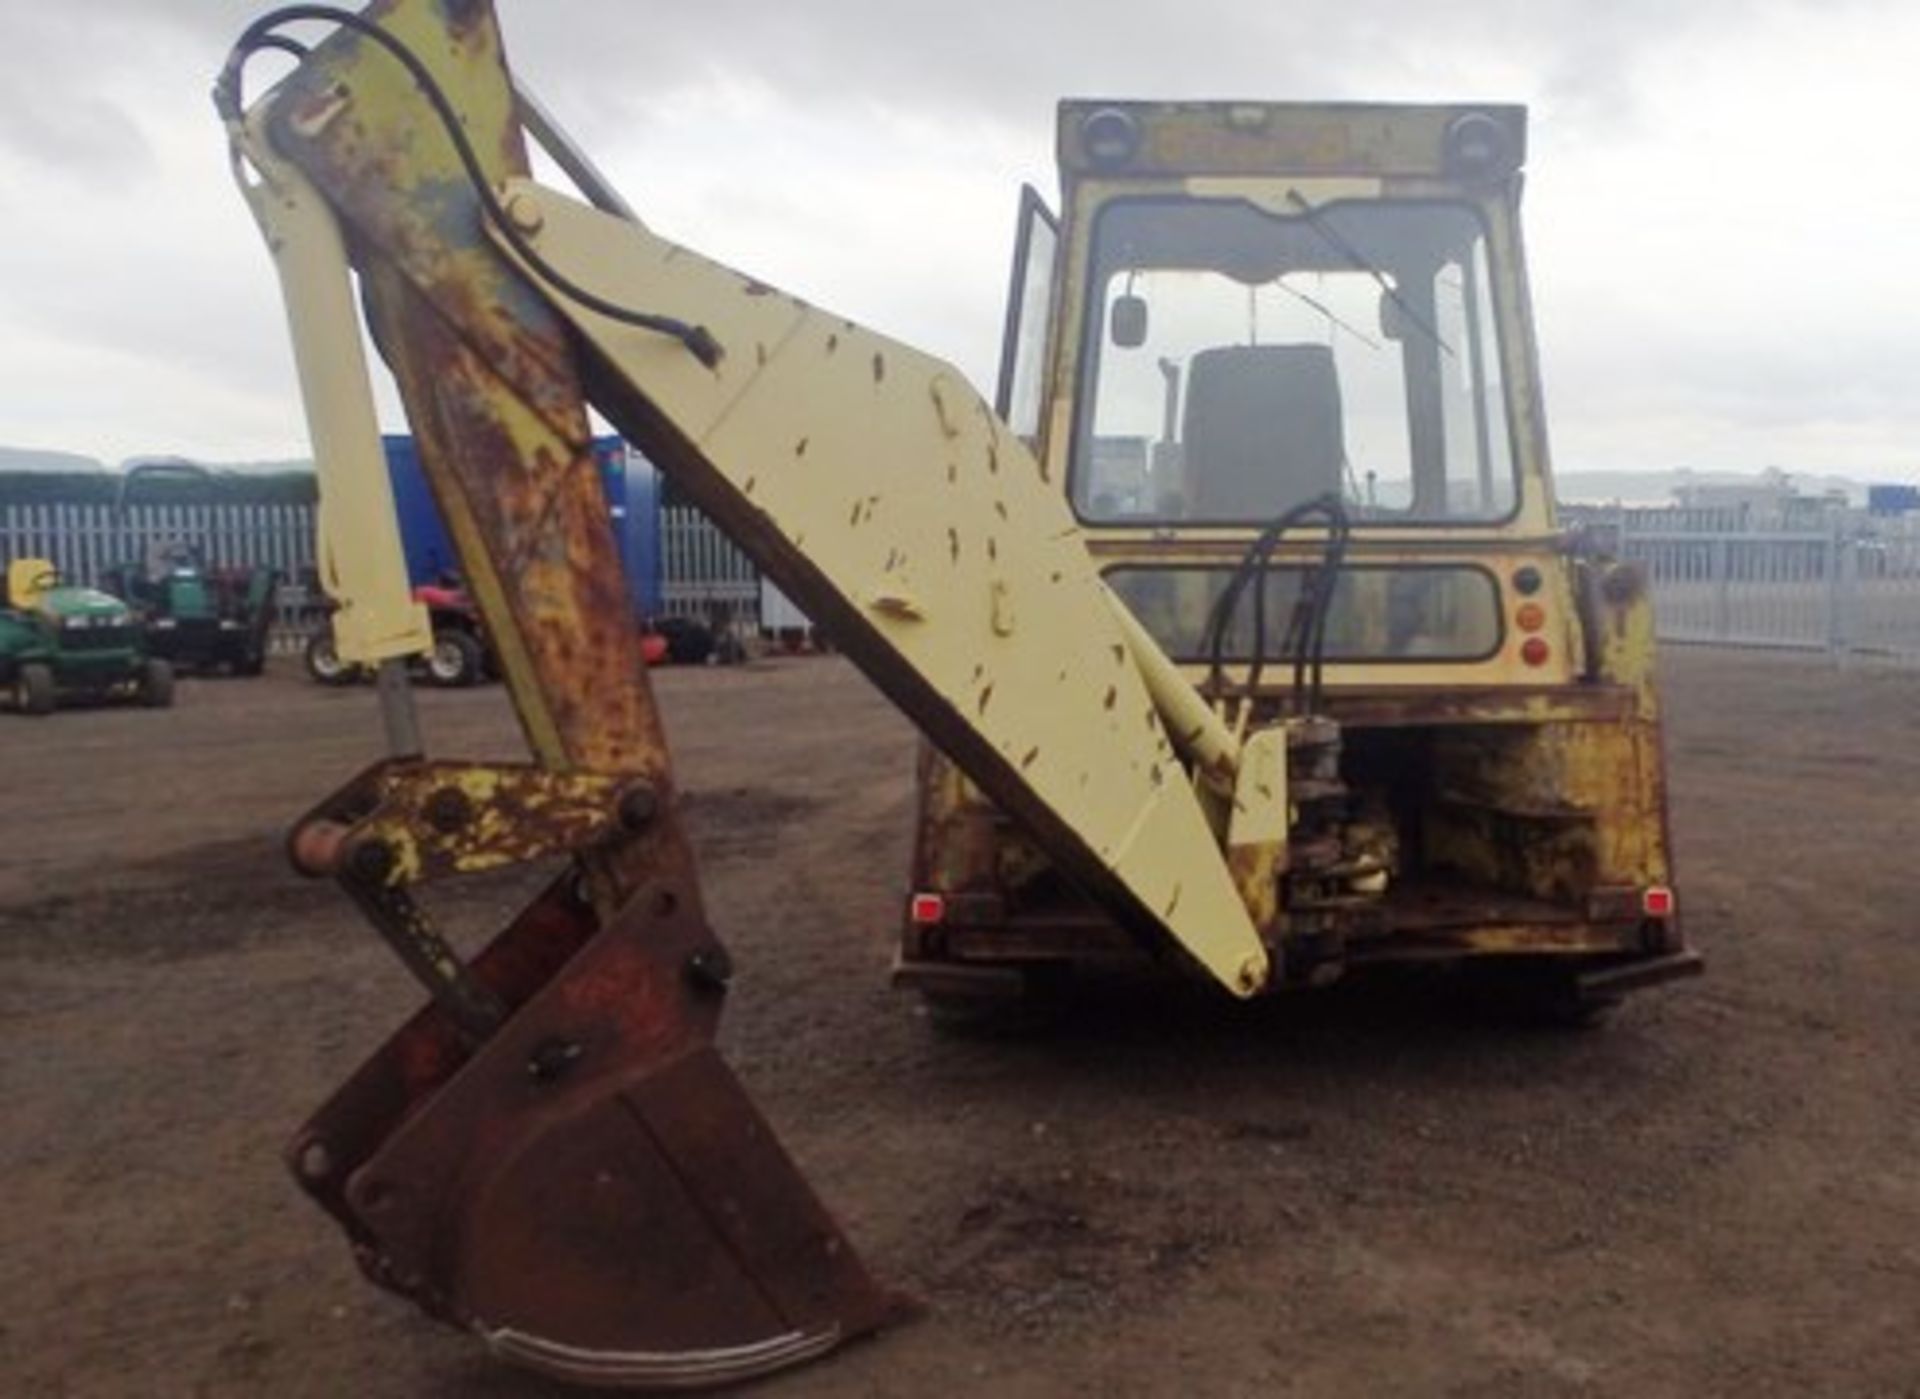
(59,641)
(195,617)
(199,618)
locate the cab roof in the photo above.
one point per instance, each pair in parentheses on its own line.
(1476,142)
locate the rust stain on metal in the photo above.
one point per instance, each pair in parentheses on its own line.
(1255,870)
(437,819)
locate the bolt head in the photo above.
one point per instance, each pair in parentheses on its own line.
(638,807)
(525,214)
(551,1058)
(710,969)
(448,809)
(371,861)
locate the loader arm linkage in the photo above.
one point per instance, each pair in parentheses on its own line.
(551,1153)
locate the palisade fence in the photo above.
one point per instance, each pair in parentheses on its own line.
(703,575)
(1835,581)
(85,540)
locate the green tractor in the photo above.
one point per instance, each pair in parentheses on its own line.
(58,641)
(195,617)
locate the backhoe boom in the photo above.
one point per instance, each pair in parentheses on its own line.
(551,1153)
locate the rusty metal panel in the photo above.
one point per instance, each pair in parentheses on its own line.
(592,1192)
(435,819)
(1258,826)
(485,371)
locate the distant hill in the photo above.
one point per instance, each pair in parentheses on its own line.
(29,476)
(284,467)
(39,461)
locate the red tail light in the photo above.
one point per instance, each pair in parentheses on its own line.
(1534,651)
(927,909)
(1657,902)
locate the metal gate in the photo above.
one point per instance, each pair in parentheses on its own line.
(1844,584)
(703,574)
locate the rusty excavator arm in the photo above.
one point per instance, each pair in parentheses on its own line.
(551,1153)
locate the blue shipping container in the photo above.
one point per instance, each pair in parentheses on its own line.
(632,508)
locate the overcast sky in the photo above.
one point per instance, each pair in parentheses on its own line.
(1722,204)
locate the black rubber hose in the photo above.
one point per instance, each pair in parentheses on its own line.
(227,98)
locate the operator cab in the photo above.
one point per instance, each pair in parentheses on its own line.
(1256,306)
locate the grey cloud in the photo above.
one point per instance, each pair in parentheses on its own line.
(614,62)
(80,137)
(993,63)
(82,92)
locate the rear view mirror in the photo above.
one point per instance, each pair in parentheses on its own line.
(1127,321)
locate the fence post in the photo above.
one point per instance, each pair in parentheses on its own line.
(1852,600)
(1722,565)
(1836,626)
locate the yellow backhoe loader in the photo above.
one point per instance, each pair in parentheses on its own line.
(1240,631)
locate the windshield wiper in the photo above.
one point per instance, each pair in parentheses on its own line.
(1332,316)
(1333,239)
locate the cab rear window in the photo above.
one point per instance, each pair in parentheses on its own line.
(1378,613)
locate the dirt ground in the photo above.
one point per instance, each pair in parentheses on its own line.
(1359,1194)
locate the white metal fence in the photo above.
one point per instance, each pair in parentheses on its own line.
(703,575)
(85,540)
(1839,583)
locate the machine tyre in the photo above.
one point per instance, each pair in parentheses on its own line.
(34,690)
(456,660)
(1569,1008)
(1547,999)
(156,684)
(1038,1007)
(324,664)
(688,642)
